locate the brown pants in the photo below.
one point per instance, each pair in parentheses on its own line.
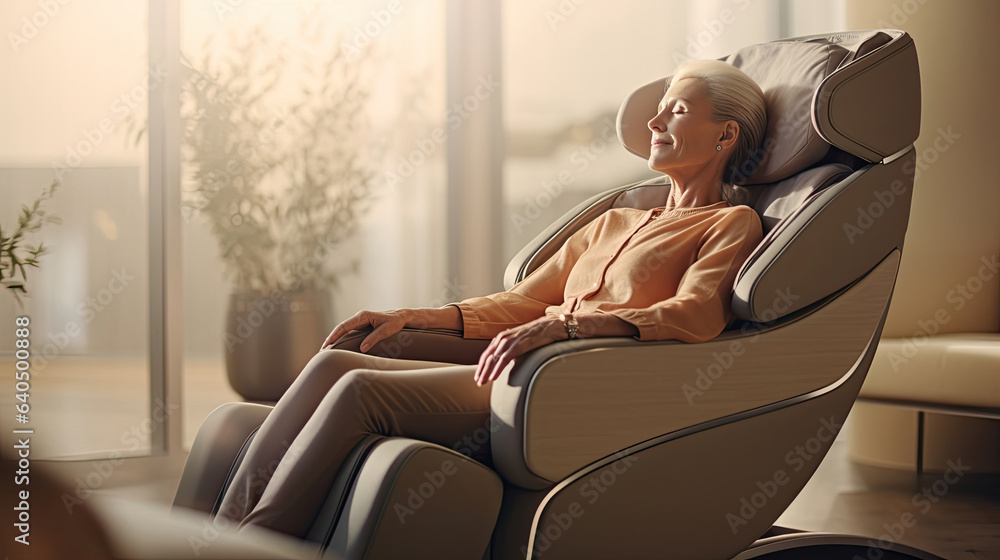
(338,399)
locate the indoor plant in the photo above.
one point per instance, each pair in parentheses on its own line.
(15,253)
(279,170)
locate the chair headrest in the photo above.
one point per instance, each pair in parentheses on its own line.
(792,74)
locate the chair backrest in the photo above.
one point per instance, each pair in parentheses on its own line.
(837,104)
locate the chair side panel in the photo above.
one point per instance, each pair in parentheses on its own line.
(580,407)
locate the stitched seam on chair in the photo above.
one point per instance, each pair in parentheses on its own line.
(232,471)
(348,487)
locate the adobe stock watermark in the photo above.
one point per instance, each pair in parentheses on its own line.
(468,446)
(708,32)
(642,270)
(364,34)
(406,165)
(424,492)
(225,7)
(723,361)
(557,524)
(562,12)
(922,502)
(236,168)
(88,310)
(958,297)
(479,439)
(33,24)
(254,316)
(395,346)
(886,198)
(579,161)
(121,108)
(900,14)
(134,437)
(223,520)
(796,460)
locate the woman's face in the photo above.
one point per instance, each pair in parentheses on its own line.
(684,137)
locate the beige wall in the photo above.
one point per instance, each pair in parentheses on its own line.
(955,217)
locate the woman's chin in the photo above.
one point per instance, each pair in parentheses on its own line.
(658,164)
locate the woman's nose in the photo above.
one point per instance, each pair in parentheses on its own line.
(657,123)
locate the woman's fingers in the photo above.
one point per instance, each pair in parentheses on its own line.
(505,357)
(484,357)
(334,336)
(339,331)
(507,346)
(383,330)
(481,371)
(490,364)
(359,320)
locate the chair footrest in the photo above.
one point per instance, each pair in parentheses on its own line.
(414,499)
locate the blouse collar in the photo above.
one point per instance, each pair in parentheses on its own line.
(684,211)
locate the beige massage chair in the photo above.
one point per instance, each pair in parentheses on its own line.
(618,449)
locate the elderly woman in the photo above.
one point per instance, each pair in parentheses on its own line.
(665,273)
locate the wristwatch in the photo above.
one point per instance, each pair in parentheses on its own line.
(570,322)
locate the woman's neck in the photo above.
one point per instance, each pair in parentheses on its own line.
(693,194)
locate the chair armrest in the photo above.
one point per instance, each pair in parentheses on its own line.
(570,403)
(436,345)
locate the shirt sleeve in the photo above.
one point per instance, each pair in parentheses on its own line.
(487,316)
(702,306)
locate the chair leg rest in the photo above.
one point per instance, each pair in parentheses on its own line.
(413,499)
(215,453)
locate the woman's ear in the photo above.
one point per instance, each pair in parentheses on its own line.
(730,133)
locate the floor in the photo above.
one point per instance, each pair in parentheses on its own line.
(843,497)
(897,506)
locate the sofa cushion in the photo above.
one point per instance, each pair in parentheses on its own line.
(951,369)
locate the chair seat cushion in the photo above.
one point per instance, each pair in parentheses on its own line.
(951,369)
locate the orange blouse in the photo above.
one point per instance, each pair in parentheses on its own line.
(671,274)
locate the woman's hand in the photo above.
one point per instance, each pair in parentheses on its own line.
(511,343)
(388,323)
(385,323)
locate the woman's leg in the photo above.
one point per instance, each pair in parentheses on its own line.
(442,405)
(289,416)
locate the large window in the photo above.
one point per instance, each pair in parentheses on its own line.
(71,91)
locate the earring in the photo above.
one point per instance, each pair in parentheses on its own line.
(718,147)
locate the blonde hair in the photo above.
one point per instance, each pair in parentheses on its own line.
(734,96)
